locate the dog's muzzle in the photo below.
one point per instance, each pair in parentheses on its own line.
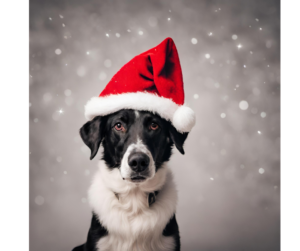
(138,161)
(139,164)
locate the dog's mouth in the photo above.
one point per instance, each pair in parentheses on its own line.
(137,179)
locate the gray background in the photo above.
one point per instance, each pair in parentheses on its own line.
(229,178)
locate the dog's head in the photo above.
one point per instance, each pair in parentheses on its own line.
(136,142)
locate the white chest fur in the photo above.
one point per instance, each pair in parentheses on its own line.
(131,224)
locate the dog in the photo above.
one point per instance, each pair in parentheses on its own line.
(133,195)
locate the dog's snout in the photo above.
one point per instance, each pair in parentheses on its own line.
(138,161)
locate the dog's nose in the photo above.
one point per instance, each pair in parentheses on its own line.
(138,162)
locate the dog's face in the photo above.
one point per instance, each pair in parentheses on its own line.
(136,142)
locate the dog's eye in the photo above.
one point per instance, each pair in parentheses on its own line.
(154,126)
(119,127)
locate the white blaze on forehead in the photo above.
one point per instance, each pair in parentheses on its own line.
(137,114)
(139,141)
(138,147)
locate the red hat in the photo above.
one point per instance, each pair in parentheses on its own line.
(151,81)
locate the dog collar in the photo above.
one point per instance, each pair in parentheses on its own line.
(151,197)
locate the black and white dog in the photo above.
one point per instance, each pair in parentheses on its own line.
(133,195)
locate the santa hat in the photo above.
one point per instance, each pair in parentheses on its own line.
(151,81)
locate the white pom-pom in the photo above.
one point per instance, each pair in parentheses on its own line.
(184,119)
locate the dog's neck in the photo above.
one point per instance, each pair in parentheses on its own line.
(109,187)
(130,212)
(134,196)
(150,197)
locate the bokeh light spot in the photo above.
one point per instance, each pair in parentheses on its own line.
(68,92)
(39,200)
(194,40)
(243,105)
(47,97)
(107,63)
(234,37)
(263,114)
(58,51)
(102,76)
(81,71)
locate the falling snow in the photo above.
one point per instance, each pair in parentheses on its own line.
(58,51)
(47,97)
(194,40)
(39,200)
(263,114)
(102,76)
(243,105)
(68,92)
(223,115)
(81,71)
(231,67)
(107,63)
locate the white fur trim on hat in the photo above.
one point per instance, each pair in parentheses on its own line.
(182,117)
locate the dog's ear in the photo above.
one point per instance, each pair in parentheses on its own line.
(178,138)
(92,134)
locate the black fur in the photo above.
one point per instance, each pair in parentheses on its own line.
(92,134)
(172,230)
(95,233)
(115,143)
